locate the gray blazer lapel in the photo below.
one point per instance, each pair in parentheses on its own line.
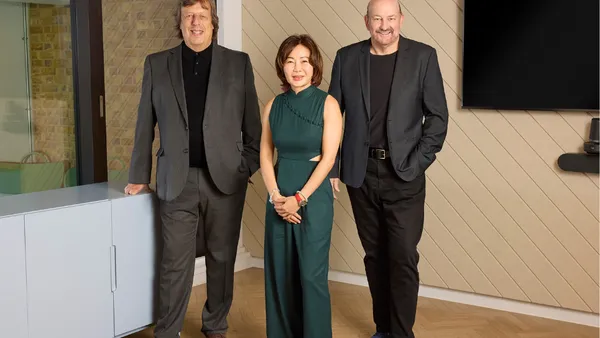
(214,91)
(400,73)
(176,75)
(364,70)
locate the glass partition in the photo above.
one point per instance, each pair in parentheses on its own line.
(37,115)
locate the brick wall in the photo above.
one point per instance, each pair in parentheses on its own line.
(52,82)
(132,30)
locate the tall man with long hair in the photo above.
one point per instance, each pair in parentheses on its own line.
(202,97)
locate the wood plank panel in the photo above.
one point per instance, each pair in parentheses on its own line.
(442,264)
(524,232)
(457,254)
(480,254)
(512,266)
(553,126)
(501,218)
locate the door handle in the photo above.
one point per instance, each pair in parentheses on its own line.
(113,268)
(101,99)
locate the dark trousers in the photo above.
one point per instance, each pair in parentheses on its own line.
(199,209)
(389,214)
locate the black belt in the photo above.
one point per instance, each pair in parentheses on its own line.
(379,154)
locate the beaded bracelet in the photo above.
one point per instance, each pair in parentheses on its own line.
(271,195)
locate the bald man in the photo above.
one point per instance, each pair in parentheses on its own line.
(392,93)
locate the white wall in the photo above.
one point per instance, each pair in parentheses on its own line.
(230,36)
(230,22)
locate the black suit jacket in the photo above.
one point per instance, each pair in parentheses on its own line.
(417,113)
(232,126)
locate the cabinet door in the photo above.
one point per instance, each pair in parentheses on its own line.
(69,272)
(136,232)
(13,293)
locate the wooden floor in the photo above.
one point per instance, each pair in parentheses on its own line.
(352,316)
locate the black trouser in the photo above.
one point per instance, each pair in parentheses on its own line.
(389,214)
(217,217)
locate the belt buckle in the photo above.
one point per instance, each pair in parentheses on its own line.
(379,154)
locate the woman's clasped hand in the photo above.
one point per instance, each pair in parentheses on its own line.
(287,208)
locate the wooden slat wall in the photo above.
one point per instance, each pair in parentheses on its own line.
(501,218)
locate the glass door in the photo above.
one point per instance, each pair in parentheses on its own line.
(51,92)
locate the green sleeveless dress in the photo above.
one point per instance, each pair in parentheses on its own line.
(297,255)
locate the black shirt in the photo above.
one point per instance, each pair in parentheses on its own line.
(382,73)
(196,71)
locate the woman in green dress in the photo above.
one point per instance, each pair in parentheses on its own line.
(304,124)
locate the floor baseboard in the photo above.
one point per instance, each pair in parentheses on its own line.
(565,315)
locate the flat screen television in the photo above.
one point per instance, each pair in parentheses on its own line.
(531,55)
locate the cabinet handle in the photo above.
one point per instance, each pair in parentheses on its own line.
(113,268)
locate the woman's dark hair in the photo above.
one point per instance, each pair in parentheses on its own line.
(315,60)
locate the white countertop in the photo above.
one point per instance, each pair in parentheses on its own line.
(13,205)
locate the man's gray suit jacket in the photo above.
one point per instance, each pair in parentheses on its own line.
(231,127)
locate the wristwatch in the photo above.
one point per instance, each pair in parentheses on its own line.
(300,199)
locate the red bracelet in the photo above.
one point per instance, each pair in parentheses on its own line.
(298,198)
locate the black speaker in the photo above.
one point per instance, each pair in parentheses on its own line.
(583,163)
(587,162)
(592,146)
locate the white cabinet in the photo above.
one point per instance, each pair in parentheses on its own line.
(13,291)
(135,239)
(78,262)
(69,272)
